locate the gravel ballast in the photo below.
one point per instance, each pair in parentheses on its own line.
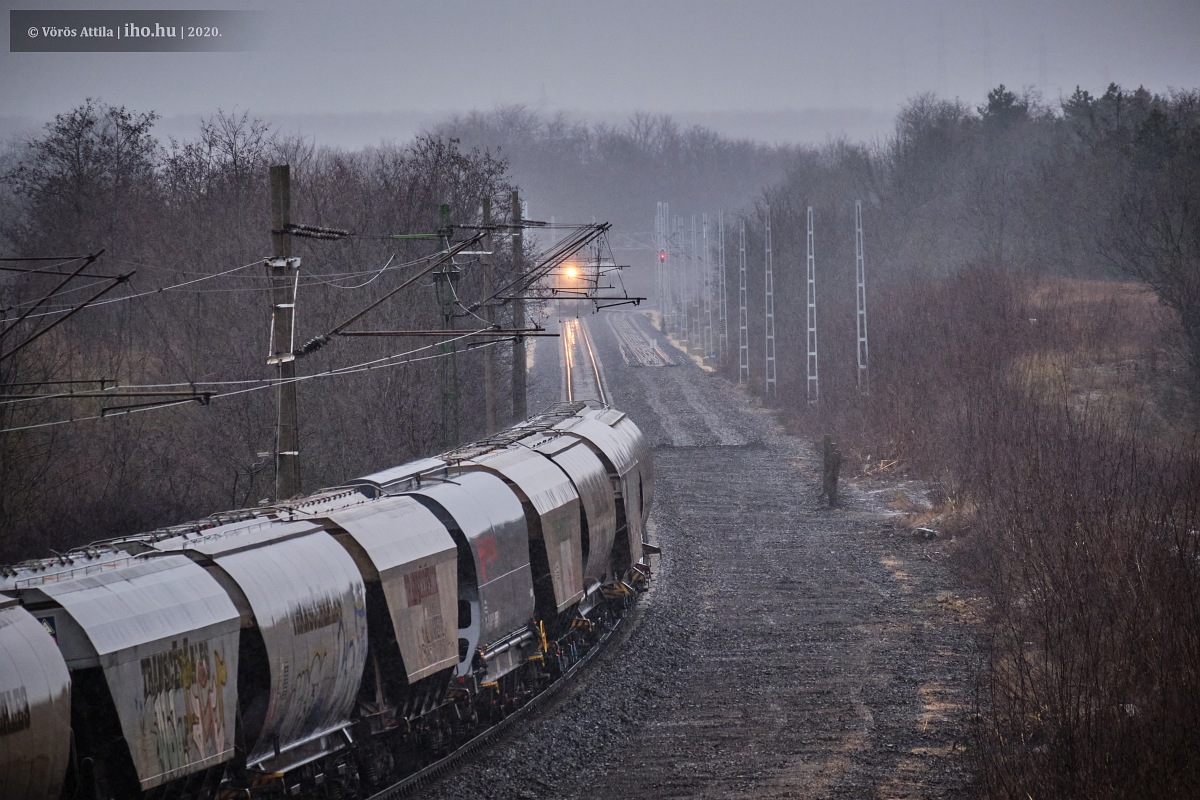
(787,650)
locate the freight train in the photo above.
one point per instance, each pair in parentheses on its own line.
(326,646)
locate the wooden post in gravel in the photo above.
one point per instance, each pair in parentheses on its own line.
(832,463)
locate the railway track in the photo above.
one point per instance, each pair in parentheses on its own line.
(789,651)
(582,378)
(637,348)
(410,784)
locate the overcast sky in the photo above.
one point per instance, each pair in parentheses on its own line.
(765,68)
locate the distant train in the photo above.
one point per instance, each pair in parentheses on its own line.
(326,646)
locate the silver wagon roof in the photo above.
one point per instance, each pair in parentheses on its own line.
(151,600)
(35,696)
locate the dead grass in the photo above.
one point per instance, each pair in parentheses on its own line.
(1050,416)
(1106,344)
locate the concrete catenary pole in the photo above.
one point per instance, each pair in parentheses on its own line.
(284,272)
(446,281)
(519,402)
(490,421)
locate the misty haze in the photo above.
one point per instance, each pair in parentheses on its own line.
(642,399)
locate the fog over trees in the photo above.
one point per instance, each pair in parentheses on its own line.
(617,172)
(1097,186)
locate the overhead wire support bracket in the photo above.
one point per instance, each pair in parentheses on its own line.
(202,399)
(102,381)
(560,252)
(186,395)
(629,301)
(454,332)
(117,281)
(88,260)
(44,258)
(593,298)
(317,342)
(43,271)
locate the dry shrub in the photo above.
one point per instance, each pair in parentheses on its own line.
(1037,403)
(1090,559)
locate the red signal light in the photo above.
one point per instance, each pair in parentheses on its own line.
(662,256)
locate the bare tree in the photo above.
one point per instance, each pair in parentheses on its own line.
(1155,236)
(82,180)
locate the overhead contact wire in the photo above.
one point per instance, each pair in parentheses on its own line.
(365,366)
(157,291)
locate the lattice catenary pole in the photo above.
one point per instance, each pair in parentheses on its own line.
(658,248)
(693,291)
(769,387)
(661,242)
(861,298)
(706,283)
(669,266)
(814,386)
(743,327)
(679,278)
(722,306)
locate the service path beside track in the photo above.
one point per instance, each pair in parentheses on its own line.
(786,651)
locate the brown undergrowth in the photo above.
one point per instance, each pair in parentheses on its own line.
(1051,418)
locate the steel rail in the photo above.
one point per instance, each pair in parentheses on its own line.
(587,341)
(568,362)
(577,339)
(408,785)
